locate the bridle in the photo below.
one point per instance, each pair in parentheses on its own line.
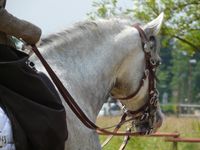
(145,112)
(148,110)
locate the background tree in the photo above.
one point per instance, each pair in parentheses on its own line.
(182,18)
(180,40)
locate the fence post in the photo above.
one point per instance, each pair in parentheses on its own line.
(175,145)
(178,109)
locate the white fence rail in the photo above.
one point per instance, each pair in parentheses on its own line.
(186,110)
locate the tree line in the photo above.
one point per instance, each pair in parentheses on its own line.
(179,73)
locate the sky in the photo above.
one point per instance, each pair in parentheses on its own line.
(53,15)
(50,15)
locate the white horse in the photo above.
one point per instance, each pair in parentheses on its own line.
(94,59)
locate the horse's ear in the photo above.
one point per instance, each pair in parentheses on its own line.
(152,28)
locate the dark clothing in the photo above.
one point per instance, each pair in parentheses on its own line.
(4,4)
(37,115)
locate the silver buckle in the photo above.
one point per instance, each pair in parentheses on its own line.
(152,61)
(146,72)
(149,132)
(144,116)
(152,100)
(124,109)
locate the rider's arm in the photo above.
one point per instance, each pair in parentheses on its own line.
(13,26)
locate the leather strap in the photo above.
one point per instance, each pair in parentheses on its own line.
(126,139)
(141,32)
(136,92)
(71,102)
(118,126)
(144,40)
(74,106)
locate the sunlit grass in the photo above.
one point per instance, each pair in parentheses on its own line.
(187,127)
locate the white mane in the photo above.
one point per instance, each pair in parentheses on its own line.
(87,29)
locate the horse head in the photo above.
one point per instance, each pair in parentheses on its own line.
(135,84)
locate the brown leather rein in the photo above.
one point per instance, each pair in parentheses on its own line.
(81,115)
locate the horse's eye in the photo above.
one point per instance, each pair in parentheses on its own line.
(152,40)
(158,63)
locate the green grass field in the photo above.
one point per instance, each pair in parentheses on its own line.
(187,127)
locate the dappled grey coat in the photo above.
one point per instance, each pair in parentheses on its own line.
(12,26)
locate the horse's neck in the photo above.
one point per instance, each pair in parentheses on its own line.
(87,63)
(87,68)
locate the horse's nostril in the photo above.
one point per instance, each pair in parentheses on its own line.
(143,128)
(159,123)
